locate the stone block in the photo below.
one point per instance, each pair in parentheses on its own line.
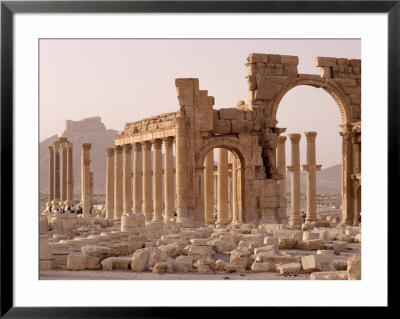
(241,126)
(290,70)
(291,268)
(354,268)
(168,251)
(98,251)
(272,249)
(188,260)
(48,264)
(204,269)
(222,127)
(228,114)
(276,259)
(257,58)
(234,268)
(220,265)
(162,267)
(287,243)
(325,251)
(205,261)
(240,257)
(329,275)
(111,263)
(76,261)
(93,263)
(312,244)
(290,59)
(199,252)
(321,262)
(122,249)
(339,246)
(340,264)
(140,260)
(308,235)
(263,267)
(199,241)
(325,61)
(225,244)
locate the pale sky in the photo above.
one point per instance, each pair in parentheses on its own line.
(126,80)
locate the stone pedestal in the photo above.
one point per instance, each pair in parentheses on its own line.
(110,183)
(127,179)
(157,181)
(118,199)
(222,202)
(295,218)
(311,168)
(169,179)
(85,178)
(147,174)
(209,188)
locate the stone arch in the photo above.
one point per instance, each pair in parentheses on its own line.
(332,88)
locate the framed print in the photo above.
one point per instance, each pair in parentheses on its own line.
(160,155)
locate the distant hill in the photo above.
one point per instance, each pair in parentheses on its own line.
(329,180)
(89,130)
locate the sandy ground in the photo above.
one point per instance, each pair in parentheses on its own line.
(352,249)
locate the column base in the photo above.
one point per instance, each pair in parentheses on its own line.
(209,222)
(222,223)
(310,220)
(296,221)
(185,221)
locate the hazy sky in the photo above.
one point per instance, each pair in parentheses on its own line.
(127,80)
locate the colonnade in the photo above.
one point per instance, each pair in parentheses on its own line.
(61,178)
(140,191)
(310,167)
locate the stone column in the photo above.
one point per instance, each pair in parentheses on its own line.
(127,179)
(311,168)
(64,183)
(169,179)
(110,183)
(157,181)
(51,174)
(56,199)
(281,161)
(91,183)
(137,176)
(70,176)
(235,207)
(147,173)
(347,168)
(85,178)
(295,218)
(209,189)
(118,188)
(222,188)
(182,170)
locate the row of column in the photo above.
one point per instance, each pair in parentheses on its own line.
(311,168)
(222,189)
(146,196)
(61,182)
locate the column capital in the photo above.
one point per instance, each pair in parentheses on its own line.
(127,148)
(110,151)
(169,140)
(69,145)
(86,146)
(147,145)
(63,141)
(56,146)
(157,143)
(118,149)
(294,137)
(282,139)
(137,147)
(51,149)
(310,135)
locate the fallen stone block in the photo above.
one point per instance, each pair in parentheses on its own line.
(308,235)
(343,237)
(140,260)
(272,249)
(122,249)
(240,257)
(204,269)
(76,261)
(206,261)
(339,246)
(340,264)
(199,241)
(247,245)
(168,251)
(220,265)
(93,263)
(287,243)
(48,264)
(162,267)
(354,268)
(199,252)
(325,251)
(179,266)
(276,259)
(98,251)
(292,268)
(312,244)
(313,263)
(234,268)
(329,275)
(111,263)
(263,267)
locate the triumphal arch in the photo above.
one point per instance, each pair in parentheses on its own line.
(163,187)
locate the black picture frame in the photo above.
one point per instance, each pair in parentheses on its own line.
(9,8)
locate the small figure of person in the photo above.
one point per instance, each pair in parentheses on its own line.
(90,210)
(303,216)
(359,218)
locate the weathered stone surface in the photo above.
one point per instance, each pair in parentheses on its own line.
(308,235)
(292,268)
(76,261)
(354,268)
(329,275)
(263,267)
(340,264)
(325,61)
(228,114)
(321,262)
(122,249)
(199,252)
(111,263)
(272,249)
(179,266)
(204,269)
(162,267)
(222,127)
(287,243)
(241,126)
(234,268)
(339,246)
(98,251)
(257,58)
(168,251)
(240,257)
(220,265)
(140,260)
(312,244)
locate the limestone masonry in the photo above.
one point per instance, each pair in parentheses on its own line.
(176,217)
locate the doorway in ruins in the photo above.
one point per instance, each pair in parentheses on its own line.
(223,190)
(309,109)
